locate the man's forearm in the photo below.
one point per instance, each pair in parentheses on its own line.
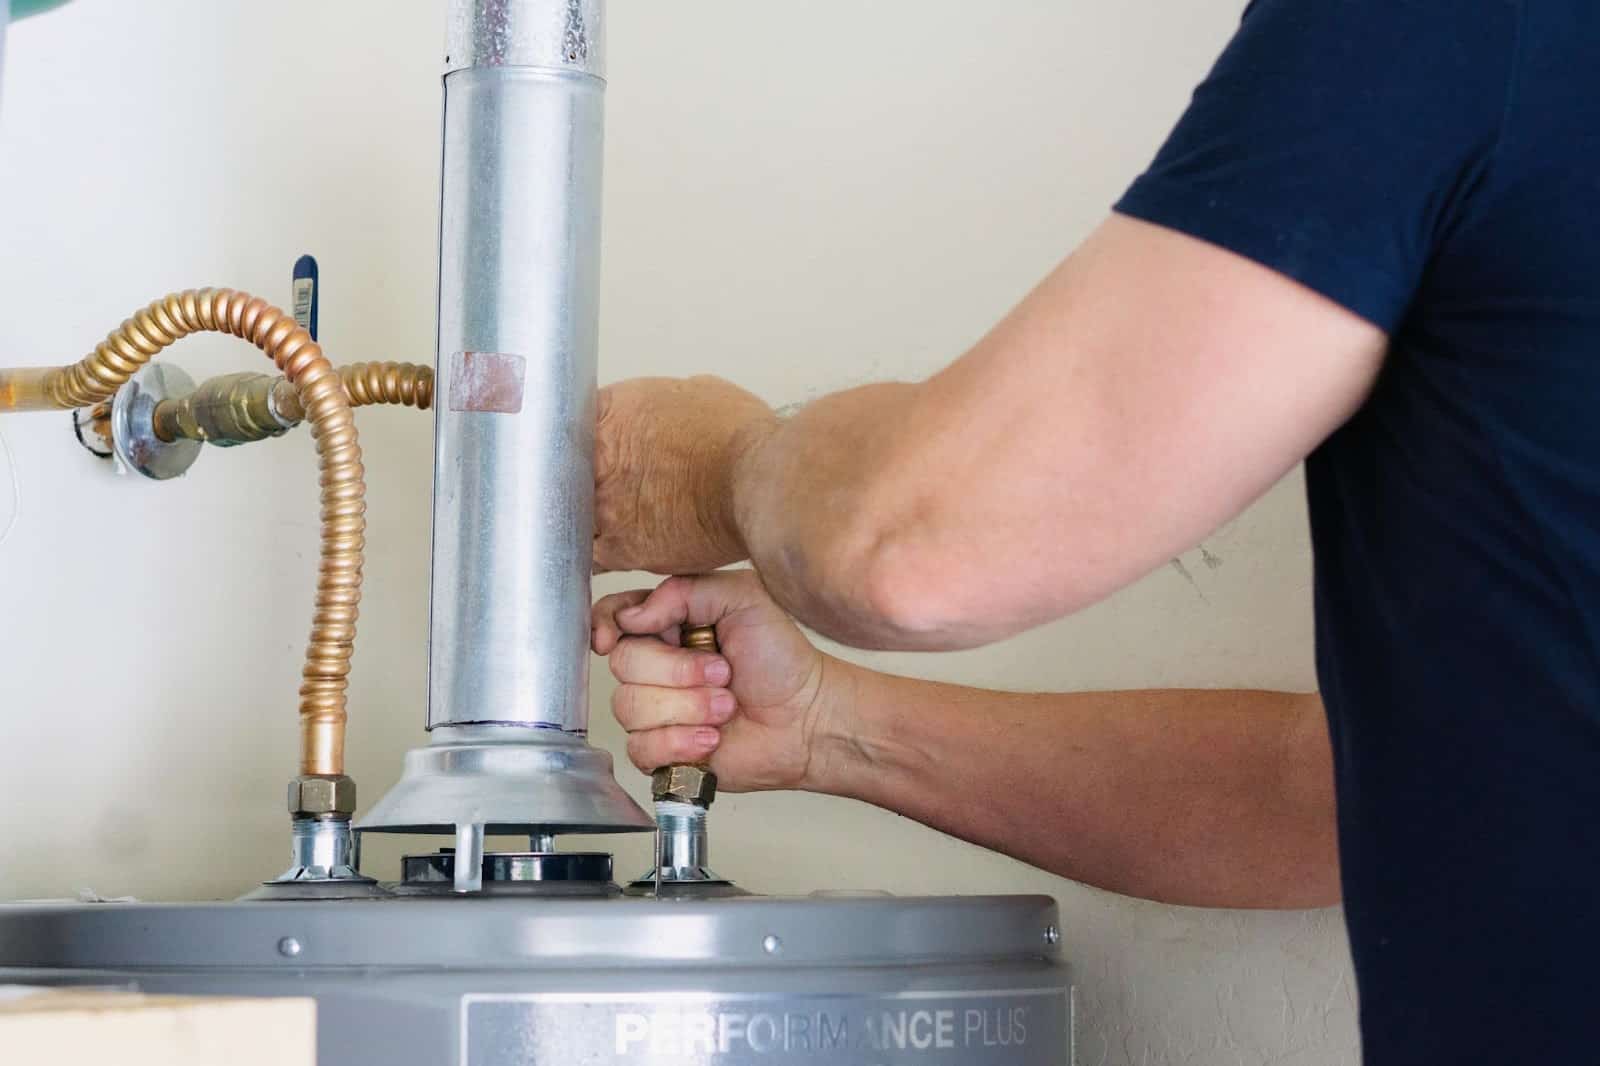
(1204,798)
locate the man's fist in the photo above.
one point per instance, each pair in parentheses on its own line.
(666,450)
(754,711)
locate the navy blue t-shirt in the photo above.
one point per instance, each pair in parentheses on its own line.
(1434,166)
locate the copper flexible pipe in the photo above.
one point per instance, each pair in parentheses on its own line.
(322,396)
(401,384)
(409,384)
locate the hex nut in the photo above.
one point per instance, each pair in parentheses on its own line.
(312,794)
(684,784)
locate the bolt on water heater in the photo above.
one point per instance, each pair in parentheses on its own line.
(535,956)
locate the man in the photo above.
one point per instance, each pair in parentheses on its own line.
(1372,244)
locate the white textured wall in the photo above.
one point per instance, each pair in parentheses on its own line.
(799,196)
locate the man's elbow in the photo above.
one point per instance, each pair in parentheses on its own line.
(922,594)
(933,569)
(911,604)
(873,581)
(931,578)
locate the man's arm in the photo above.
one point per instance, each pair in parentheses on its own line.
(1148,391)
(1208,798)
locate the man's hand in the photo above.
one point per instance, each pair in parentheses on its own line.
(754,710)
(1214,798)
(665,454)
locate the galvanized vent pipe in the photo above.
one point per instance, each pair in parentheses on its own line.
(519,275)
(513,523)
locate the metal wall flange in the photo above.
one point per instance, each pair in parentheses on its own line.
(133,434)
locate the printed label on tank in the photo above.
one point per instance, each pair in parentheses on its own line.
(1027,1027)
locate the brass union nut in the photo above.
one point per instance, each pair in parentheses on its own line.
(319,794)
(684,784)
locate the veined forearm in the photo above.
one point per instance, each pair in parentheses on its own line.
(1204,798)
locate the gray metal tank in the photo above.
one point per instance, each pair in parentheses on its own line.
(513,980)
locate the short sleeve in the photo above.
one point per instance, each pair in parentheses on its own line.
(1338,141)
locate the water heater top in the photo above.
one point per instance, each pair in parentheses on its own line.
(554,34)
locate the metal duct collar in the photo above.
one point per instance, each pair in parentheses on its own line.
(507,780)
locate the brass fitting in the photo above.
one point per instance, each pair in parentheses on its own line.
(684,784)
(226,410)
(243,408)
(700,638)
(311,795)
(688,784)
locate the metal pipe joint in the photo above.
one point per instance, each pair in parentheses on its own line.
(315,795)
(227,410)
(322,849)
